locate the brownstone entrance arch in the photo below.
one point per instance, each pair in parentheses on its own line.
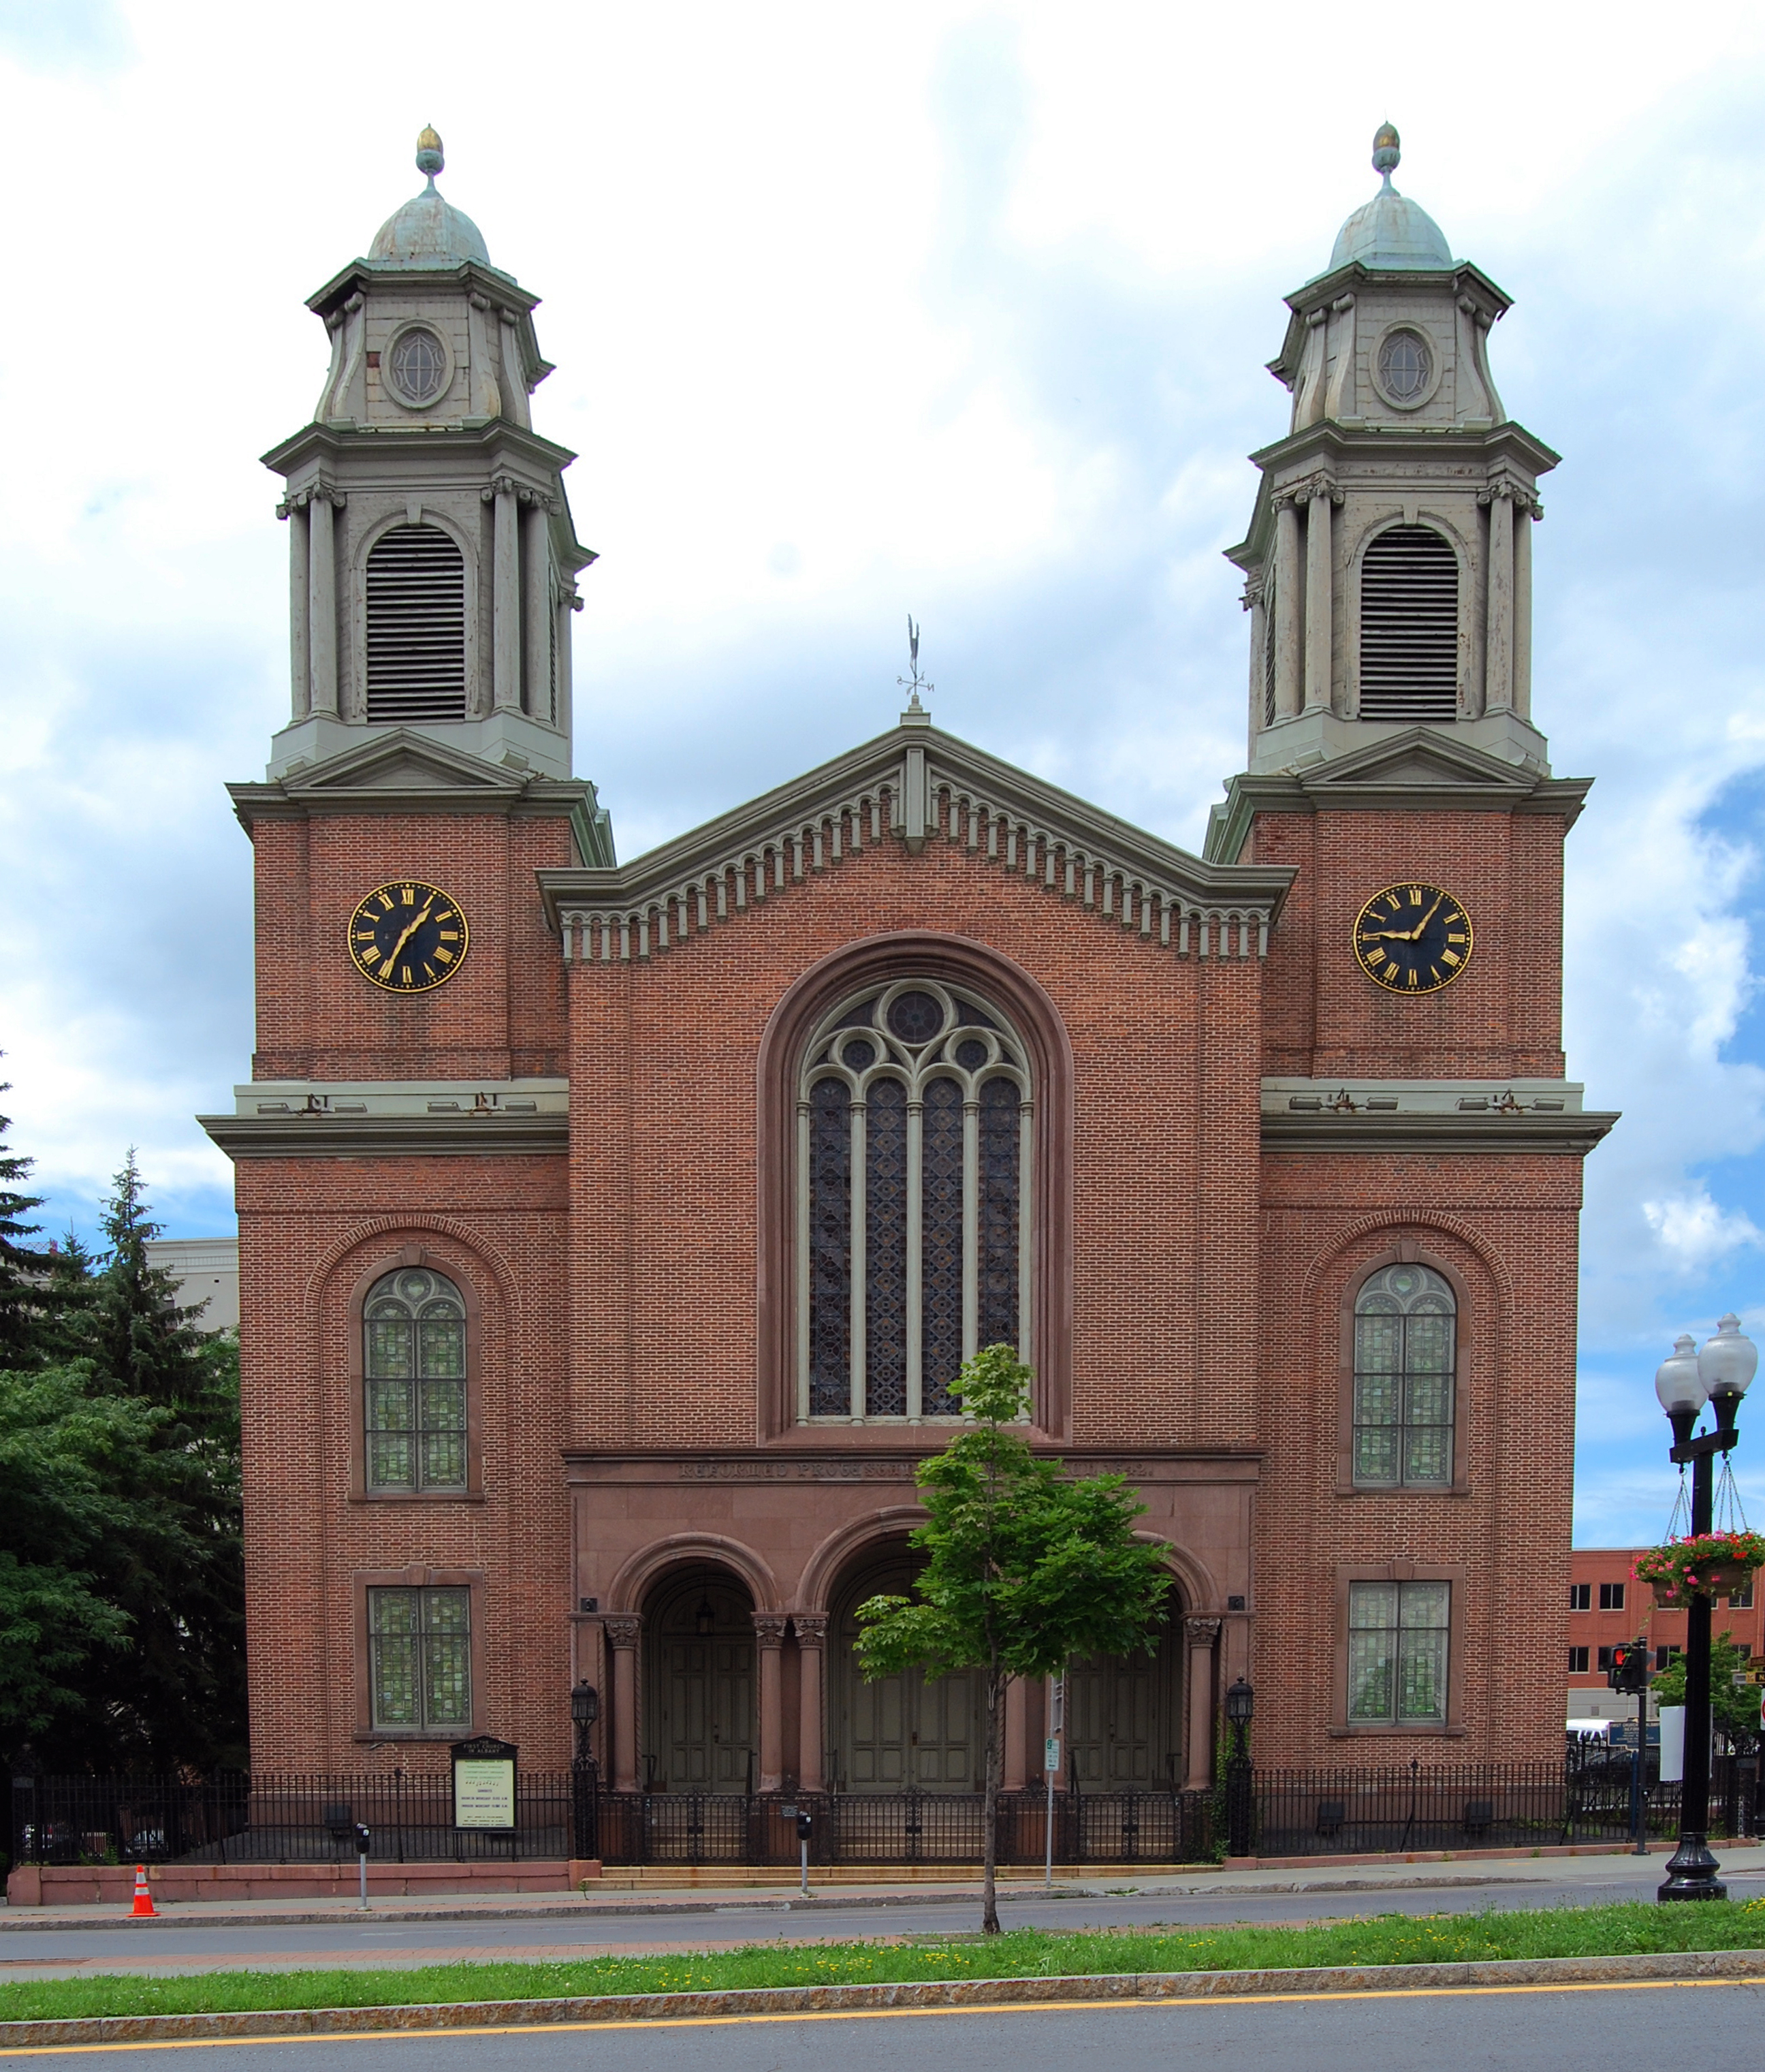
(699,1711)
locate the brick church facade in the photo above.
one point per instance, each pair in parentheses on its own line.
(611,1233)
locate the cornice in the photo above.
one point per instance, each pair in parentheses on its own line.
(397,770)
(345,442)
(1420,770)
(469,276)
(467,1135)
(914,785)
(1569,1135)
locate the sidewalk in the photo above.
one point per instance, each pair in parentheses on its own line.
(1368,1874)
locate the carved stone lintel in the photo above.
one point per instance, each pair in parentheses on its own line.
(810,1628)
(768,1629)
(1202,1632)
(624,1631)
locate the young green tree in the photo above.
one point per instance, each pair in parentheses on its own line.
(22,1265)
(1734,1707)
(1028,1567)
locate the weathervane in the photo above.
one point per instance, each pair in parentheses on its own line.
(915,682)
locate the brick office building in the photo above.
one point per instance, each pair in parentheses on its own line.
(611,1233)
(1607,1606)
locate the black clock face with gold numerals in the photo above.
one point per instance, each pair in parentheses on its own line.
(1413,938)
(408,936)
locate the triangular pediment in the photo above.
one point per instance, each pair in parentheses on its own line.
(403,761)
(1420,757)
(914,787)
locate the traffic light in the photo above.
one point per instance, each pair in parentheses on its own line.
(1629,1669)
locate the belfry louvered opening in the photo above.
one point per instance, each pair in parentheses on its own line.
(1410,626)
(416,626)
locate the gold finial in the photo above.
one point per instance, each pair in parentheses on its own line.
(428,153)
(1386,152)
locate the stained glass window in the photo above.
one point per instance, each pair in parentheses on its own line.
(1406,1328)
(420,1657)
(413,1329)
(914,1119)
(1398,1636)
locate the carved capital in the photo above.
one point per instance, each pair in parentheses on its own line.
(1505,489)
(624,1631)
(1255,590)
(768,1629)
(1202,1632)
(811,1629)
(315,492)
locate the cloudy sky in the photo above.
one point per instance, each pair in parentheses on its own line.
(956,310)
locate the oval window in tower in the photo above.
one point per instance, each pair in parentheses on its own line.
(416,366)
(1406,367)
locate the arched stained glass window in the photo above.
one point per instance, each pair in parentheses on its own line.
(413,1333)
(913,1145)
(1405,1333)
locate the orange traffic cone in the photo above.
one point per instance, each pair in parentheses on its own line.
(143,1899)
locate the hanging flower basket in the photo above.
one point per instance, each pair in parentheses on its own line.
(1712,1565)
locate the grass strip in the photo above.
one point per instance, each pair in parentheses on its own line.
(1385,1938)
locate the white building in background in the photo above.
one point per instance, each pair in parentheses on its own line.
(206,1270)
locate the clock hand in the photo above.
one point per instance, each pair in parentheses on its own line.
(1414,934)
(392,955)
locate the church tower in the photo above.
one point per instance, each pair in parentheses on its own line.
(432,560)
(1388,562)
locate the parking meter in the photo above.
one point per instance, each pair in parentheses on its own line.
(805,1826)
(363,1838)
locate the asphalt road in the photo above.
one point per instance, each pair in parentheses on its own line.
(188,1945)
(1617,2029)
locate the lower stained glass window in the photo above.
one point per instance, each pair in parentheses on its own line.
(914,1135)
(420,1657)
(1397,1637)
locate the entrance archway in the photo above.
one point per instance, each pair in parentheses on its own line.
(699,1683)
(904,1733)
(1125,1720)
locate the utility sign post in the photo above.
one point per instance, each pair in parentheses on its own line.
(484,1785)
(1051,1765)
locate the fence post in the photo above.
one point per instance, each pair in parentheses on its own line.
(25,1820)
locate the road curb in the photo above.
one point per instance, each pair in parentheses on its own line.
(1664,1968)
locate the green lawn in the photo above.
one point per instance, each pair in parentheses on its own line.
(1389,1939)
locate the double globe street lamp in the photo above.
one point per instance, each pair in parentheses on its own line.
(1718,1374)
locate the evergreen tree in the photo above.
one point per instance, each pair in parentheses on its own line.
(22,1266)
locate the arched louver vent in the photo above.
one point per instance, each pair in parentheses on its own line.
(1410,626)
(416,626)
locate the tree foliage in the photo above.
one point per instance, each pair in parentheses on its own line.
(1733,1706)
(122,1579)
(1028,1566)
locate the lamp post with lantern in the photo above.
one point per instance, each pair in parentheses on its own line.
(1716,1374)
(585,1774)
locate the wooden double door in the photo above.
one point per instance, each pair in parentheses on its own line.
(1124,1719)
(699,1712)
(906,1733)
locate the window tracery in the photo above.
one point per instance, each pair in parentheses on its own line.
(1405,1333)
(914,1109)
(413,1366)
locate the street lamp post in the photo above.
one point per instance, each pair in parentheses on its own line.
(584,1777)
(1716,1375)
(1240,1705)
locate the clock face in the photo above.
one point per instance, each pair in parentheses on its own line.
(1413,938)
(408,936)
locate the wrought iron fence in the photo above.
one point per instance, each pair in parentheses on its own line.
(266,1818)
(237,1818)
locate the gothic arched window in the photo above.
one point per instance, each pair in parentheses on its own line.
(913,1239)
(413,1372)
(1409,626)
(416,626)
(1405,1347)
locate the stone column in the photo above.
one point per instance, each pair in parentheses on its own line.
(768,1631)
(322,601)
(811,1630)
(1287,609)
(1014,1777)
(299,579)
(1525,517)
(537,601)
(1498,636)
(1320,576)
(506,599)
(1203,1636)
(623,1635)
